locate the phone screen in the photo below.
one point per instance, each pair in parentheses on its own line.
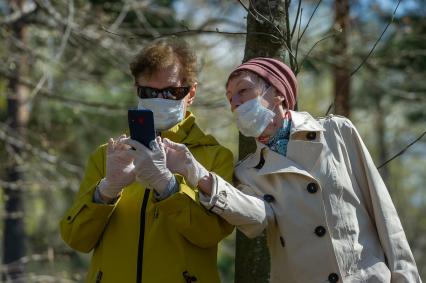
(141,125)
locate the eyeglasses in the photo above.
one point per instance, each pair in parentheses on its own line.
(173,93)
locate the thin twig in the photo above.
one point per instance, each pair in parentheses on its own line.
(293,61)
(120,18)
(299,38)
(366,57)
(377,41)
(282,39)
(299,6)
(48,94)
(186,31)
(280,32)
(298,33)
(6,135)
(270,12)
(309,21)
(244,6)
(313,46)
(146,24)
(58,55)
(403,150)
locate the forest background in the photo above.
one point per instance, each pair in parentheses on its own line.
(65,88)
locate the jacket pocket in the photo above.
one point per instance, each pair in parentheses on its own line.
(73,213)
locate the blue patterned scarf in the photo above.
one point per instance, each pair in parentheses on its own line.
(279,141)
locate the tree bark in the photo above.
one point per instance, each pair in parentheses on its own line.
(341,69)
(17,110)
(266,31)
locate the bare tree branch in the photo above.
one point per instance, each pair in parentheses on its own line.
(58,55)
(368,55)
(48,94)
(299,37)
(402,151)
(186,32)
(313,46)
(309,21)
(377,41)
(296,19)
(244,6)
(120,18)
(214,21)
(6,134)
(293,60)
(270,11)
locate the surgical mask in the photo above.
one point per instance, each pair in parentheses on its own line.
(167,112)
(252,117)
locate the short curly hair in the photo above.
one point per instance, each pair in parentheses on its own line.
(163,53)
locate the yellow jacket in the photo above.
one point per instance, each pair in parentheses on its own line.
(176,239)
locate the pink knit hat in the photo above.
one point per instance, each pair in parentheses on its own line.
(277,74)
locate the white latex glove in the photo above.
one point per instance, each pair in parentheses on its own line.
(150,164)
(119,168)
(180,160)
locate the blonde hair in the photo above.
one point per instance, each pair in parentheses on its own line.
(163,53)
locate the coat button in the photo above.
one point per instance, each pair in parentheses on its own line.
(320,231)
(311,136)
(268,198)
(333,278)
(312,188)
(260,164)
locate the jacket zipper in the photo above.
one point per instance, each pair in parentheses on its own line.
(99,276)
(141,237)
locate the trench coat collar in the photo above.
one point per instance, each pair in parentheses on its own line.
(268,161)
(303,121)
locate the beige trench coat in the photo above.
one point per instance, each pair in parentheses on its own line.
(327,212)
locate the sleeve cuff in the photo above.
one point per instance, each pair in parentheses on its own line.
(172,188)
(217,202)
(98,199)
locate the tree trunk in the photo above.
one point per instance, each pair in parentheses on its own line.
(341,69)
(17,110)
(252,257)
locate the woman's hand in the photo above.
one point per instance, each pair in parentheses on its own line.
(150,164)
(119,169)
(180,160)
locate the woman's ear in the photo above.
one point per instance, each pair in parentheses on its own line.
(191,95)
(278,99)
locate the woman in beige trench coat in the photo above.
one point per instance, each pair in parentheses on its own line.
(311,184)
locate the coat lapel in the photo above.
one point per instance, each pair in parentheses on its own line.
(303,151)
(276,163)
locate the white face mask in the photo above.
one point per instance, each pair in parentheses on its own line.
(252,117)
(167,112)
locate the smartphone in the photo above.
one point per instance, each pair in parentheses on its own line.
(141,125)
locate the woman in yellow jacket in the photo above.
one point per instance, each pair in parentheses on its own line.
(160,233)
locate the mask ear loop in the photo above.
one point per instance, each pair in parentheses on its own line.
(266,88)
